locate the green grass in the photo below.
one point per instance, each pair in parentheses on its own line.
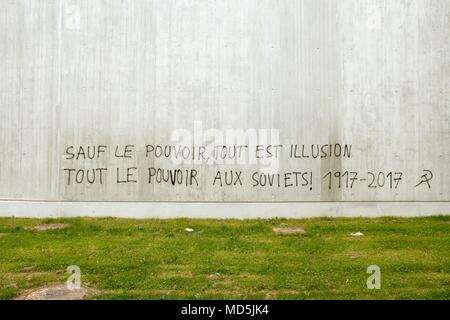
(230,259)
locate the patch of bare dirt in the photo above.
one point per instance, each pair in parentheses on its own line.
(213,276)
(219,280)
(56,292)
(50,226)
(28,269)
(289,230)
(176,274)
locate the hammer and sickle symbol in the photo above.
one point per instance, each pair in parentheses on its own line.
(426,178)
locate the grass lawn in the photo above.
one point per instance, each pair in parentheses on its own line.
(230,259)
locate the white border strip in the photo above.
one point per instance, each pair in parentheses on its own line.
(36,209)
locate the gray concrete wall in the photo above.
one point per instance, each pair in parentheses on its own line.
(368,76)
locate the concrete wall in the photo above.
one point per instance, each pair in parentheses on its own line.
(370,78)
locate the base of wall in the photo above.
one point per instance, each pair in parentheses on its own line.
(36,209)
